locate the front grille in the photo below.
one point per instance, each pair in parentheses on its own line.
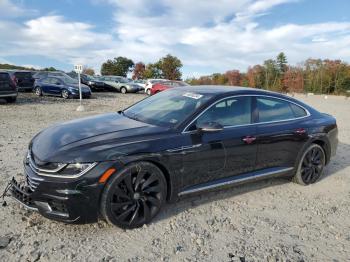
(32,183)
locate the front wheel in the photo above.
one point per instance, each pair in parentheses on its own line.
(123,90)
(311,165)
(38,91)
(65,94)
(135,196)
(148,91)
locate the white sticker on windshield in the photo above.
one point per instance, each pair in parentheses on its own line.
(192,95)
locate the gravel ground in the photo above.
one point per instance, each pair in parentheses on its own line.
(273,220)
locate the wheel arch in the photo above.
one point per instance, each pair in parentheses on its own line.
(322,141)
(166,174)
(325,146)
(169,181)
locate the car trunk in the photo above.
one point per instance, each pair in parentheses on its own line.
(24,79)
(5,82)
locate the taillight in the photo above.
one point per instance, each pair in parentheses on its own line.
(14,80)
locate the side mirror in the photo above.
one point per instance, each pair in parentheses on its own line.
(209,127)
(58,83)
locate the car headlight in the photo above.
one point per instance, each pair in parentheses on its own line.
(77,169)
(65,170)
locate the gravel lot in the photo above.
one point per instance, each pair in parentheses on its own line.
(274,220)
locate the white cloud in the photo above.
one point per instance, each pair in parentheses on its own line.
(9,9)
(207,35)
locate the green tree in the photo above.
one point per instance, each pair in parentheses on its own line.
(271,74)
(153,71)
(282,62)
(170,67)
(119,66)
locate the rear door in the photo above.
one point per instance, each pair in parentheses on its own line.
(280,132)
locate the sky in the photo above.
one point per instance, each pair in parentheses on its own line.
(208,36)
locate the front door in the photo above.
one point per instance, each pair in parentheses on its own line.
(215,155)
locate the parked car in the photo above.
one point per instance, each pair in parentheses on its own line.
(24,79)
(125,166)
(120,84)
(141,83)
(8,87)
(164,85)
(42,74)
(92,82)
(150,83)
(65,87)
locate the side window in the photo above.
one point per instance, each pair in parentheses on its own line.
(46,80)
(271,109)
(230,112)
(55,81)
(298,111)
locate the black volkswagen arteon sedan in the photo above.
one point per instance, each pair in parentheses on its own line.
(125,166)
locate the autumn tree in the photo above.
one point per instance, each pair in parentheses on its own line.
(139,71)
(255,76)
(88,71)
(233,77)
(119,66)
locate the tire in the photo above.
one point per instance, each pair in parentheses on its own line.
(135,196)
(123,90)
(311,165)
(11,100)
(38,91)
(148,91)
(65,93)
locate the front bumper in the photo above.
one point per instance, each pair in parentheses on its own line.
(70,201)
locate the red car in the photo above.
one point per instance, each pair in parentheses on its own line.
(158,87)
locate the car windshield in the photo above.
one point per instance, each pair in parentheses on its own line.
(70,81)
(168,108)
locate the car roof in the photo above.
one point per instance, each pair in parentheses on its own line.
(223,91)
(218,89)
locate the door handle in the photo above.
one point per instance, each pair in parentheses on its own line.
(249,139)
(300,131)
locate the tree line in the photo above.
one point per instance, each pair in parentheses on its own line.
(168,67)
(313,75)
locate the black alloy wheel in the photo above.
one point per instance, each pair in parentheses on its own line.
(135,196)
(311,165)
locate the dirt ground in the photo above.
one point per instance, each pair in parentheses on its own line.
(273,220)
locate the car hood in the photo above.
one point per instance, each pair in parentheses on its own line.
(79,140)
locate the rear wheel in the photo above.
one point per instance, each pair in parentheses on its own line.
(123,90)
(65,94)
(135,196)
(38,91)
(311,165)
